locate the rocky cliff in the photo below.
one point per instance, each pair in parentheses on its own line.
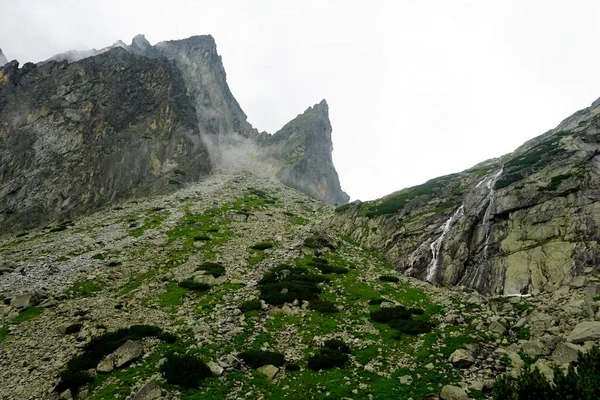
(86,128)
(302,148)
(76,136)
(3,59)
(523,223)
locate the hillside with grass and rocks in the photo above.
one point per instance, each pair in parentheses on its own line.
(154,245)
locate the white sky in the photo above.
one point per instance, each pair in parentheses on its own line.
(416,88)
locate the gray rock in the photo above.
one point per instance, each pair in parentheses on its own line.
(150,391)
(497,328)
(534,348)
(565,353)
(270,371)
(26,300)
(462,358)
(215,368)
(585,331)
(450,392)
(128,352)
(406,380)
(578,281)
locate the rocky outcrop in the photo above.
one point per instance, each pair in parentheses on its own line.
(523,223)
(86,128)
(301,150)
(76,136)
(3,59)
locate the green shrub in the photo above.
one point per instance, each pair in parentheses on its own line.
(284,284)
(321,305)
(190,284)
(411,326)
(184,370)
(292,367)
(250,305)
(258,358)
(75,376)
(331,269)
(416,311)
(343,208)
(580,382)
(310,242)
(376,302)
(211,268)
(336,344)
(390,314)
(262,246)
(389,278)
(201,238)
(326,359)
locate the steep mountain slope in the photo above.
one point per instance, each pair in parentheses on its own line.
(76,136)
(200,264)
(3,59)
(524,223)
(86,128)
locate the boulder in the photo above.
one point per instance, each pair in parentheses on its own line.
(128,352)
(215,368)
(269,371)
(565,353)
(450,392)
(578,282)
(26,300)
(462,358)
(585,331)
(497,328)
(534,348)
(150,391)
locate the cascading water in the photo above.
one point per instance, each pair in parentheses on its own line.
(474,279)
(488,211)
(436,246)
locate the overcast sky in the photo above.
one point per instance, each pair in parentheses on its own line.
(416,88)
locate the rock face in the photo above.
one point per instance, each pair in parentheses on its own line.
(523,223)
(76,136)
(86,128)
(3,59)
(302,148)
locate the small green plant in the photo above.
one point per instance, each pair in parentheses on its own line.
(262,246)
(376,302)
(389,278)
(27,315)
(185,370)
(390,314)
(284,284)
(323,306)
(201,238)
(327,359)
(258,358)
(84,288)
(250,305)
(336,344)
(98,256)
(211,268)
(190,284)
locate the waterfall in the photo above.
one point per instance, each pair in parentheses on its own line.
(436,246)
(488,211)
(474,279)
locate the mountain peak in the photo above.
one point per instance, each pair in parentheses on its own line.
(140,42)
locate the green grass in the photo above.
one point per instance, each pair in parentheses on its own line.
(173,296)
(84,288)
(150,222)
(28,314)
(3,334)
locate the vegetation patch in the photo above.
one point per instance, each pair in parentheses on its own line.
(326,359)
(75,374)
(192,285)
(250,305)
(284,284)
(185,370)
(28,314)
(400,318)
(389,278)
(211,268)
(580,382)
(322,305)
(150,222)
(259,358)
(84,288)
(262,246)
